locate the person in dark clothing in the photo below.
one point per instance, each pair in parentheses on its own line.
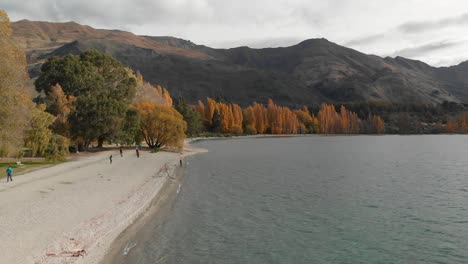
(110,159)
(9,172)
(121,152)
(138,153)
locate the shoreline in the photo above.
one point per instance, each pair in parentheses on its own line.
(152,207)
(156,213)
(73,212)
(99,253)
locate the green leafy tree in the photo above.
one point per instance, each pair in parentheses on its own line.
(216,122)
(103,88)
(191,117)
(130,132)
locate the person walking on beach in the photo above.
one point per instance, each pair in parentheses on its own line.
(137,152)
(121,152)
(9,172)
(110,159)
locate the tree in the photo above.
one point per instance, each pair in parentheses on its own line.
(248,122)
(191,117)
(161,125)
(145,92)
(309,121)
(379,125)
(216,122)
(103,89)
(59,105)
(57,149)
(130,132)
(15,99)
(38,135)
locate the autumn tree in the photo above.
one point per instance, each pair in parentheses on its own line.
(161,125)
(145,92)
(59,105)
(458,124)
(260,117)
(38,134)
(237,119)
(309,121)
(374,125)
(249,121)
(345,122)
(329,119)
(15,99)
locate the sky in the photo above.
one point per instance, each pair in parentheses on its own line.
(434,31)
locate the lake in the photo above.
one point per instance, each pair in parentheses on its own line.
(316,199)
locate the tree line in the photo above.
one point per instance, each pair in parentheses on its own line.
(221,117)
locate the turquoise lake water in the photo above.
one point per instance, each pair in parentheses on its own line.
(362,199)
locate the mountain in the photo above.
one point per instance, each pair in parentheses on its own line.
(312,71)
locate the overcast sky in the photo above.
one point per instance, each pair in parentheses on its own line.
(435,31)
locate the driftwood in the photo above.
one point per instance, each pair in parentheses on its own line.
(69,253)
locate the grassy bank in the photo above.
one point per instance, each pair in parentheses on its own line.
(26,166)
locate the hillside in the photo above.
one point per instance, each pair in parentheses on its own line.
(312,71)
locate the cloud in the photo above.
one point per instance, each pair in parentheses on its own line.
(421,50)
(365,40)
(378,26)
(419,27)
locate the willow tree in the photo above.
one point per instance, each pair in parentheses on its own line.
(38,133)
(161,125)
(15,100)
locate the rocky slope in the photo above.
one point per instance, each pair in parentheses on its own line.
(310,72)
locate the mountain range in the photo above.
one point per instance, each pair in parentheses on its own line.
(310,72)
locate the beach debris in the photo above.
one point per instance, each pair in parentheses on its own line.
(75,253)
(128,247)
(68,253)
(166,168)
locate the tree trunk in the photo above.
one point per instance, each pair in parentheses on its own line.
(100,141)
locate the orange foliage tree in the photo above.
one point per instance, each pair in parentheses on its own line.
(161,125)
(275,119)
(459,124)
(347,122)
(308,122)
(145,92)
(231,115)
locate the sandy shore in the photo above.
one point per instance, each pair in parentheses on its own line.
(49,215)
